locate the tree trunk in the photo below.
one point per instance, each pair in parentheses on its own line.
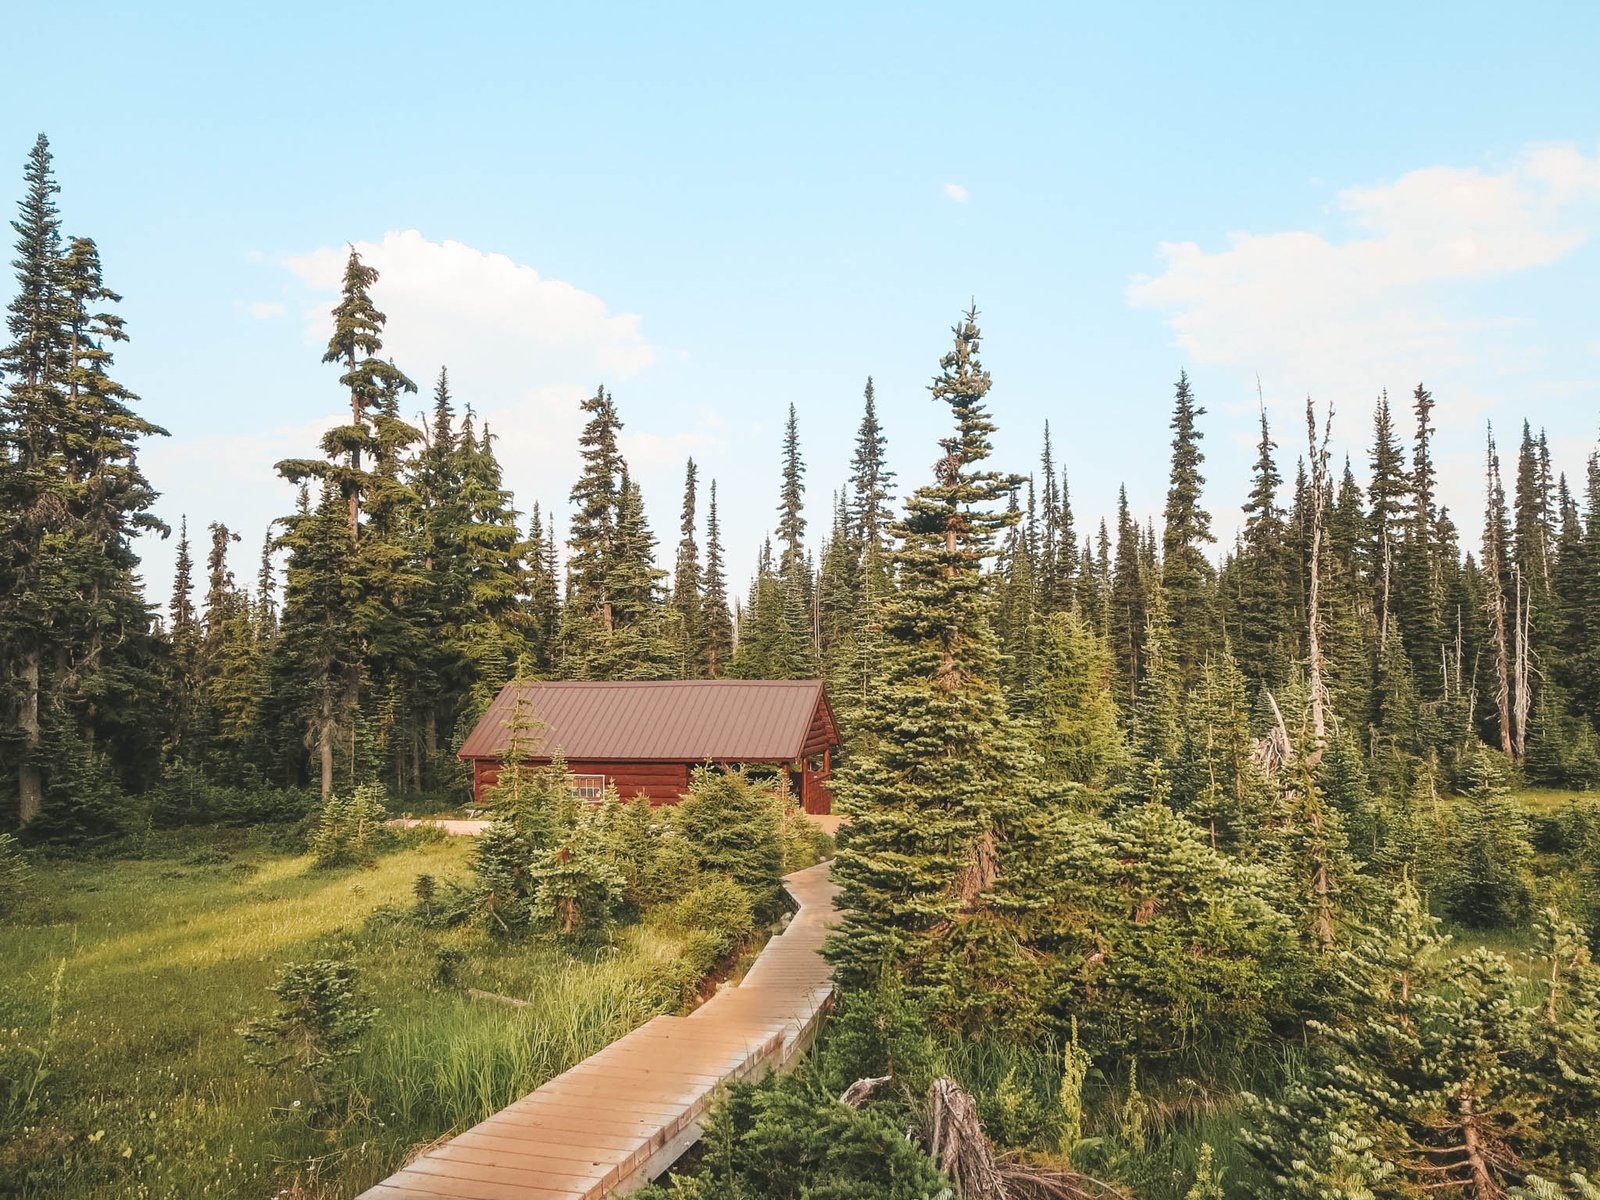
(325,726)
(1502,665)
(1522,696)
(355,459)
(1484,1186)
(30,780)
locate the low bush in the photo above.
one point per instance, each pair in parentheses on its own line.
(185,796)
(16,876)
(718,907)
(350,828)
(1486,870)
(317,1025)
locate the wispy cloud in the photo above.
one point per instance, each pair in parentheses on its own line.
(1380,304)
(447,301)
(957,192)
(264,310)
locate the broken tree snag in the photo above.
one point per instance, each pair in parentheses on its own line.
(957,1142)
(1274,752)
(862,1090)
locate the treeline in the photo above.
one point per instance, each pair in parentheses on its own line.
(1202,956)
(412,588)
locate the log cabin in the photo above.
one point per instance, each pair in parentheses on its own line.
(645,738)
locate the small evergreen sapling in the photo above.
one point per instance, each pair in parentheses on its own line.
(317,1024)
(349,827)
(576,890)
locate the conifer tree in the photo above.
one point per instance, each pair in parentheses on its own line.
(1386,495)
(1045,546)
(871,483)
(718,620)
(1259,625)
(357,339)
(363,599)
(183,635)
(686,582)
(1127,617)
(1077,733)
(1496,572)
(791,502)
(794,569)
(1155,730)
(932,793)
(1186,572)
(75,631)
(1420,578)
(1215,779)
(543,589)
(616,623)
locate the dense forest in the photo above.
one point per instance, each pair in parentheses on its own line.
(1142,828)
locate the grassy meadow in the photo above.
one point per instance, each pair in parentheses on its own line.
(123,994)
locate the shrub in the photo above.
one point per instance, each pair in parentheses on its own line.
(185,796)
(1485,874)
(718,907)
(732,824)
(317,1024)
(803,843)
(15,877)
(672,868)
(788,1138)
(349,830)
(576,891)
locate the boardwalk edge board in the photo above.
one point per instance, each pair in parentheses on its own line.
(620,1118)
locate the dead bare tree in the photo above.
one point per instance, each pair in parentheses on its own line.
(1521,683)
(1494,601)
(1319,501)
(956,1141)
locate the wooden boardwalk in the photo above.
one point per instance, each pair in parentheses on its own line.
(623,1116)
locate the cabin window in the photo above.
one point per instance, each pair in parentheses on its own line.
(587,787)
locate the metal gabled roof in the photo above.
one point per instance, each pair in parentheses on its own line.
(690,720)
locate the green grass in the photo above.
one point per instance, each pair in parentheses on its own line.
(120,1005)
(1548,800)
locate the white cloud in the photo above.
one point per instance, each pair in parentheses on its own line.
(1392,292)
(956,192)
(265,310)
(1383,304)
(522,349)
(447,300)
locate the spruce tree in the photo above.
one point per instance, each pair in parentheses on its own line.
(871,483)
(1386,494)
(686,582)
(718,620)
(76,644)
(1154,736)
(1186,572)
(932,791)
(183,635)
(1260,621)
(1496,577)
(1127,618)
(1074,717)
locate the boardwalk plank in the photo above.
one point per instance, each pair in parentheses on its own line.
(628,1110)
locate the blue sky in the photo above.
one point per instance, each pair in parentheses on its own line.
(720,210)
